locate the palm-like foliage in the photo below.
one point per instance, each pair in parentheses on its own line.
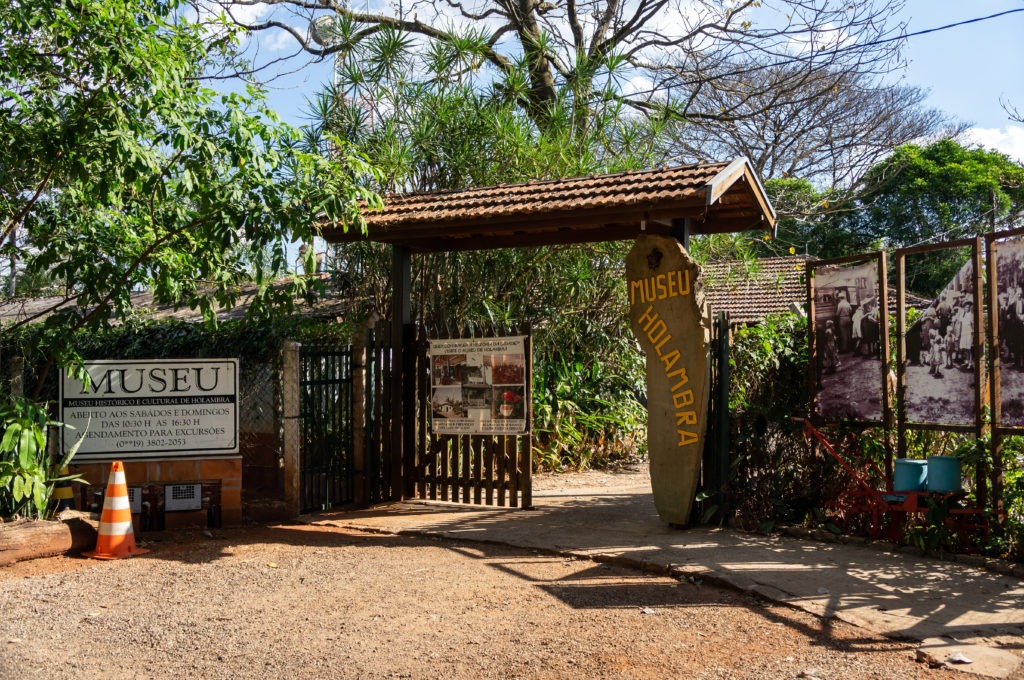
(432,117)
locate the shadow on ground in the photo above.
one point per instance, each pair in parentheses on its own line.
(895,594)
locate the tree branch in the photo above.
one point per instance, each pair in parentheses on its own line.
(16,219)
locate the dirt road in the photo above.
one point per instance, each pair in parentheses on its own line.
(320,602)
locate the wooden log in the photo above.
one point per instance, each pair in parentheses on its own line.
(667,317)
(84,527)
(29,539)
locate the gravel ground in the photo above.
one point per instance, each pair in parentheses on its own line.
(320,602)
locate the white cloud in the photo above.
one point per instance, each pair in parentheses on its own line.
(208,9)
(826,37)
(250,14)
(638,85)
(1008,140)
(280,41)
(207,13)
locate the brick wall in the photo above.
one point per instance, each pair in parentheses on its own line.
(221,479)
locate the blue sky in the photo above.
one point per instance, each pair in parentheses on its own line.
(967,70)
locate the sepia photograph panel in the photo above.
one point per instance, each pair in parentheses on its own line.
(848,352)
(940,361)
(1009,257)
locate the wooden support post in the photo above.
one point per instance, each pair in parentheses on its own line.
(977,346)
(681,231)
(883,338)
(994,367)
(401,315)
(901,359)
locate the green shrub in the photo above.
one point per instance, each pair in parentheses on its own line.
(772,478)
(585,415)
(27,473)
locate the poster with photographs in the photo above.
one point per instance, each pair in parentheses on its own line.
(940,361)
(1009,256)
(847,343)
(478,386)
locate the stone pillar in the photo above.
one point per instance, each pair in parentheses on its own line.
(667,317)
(291,442)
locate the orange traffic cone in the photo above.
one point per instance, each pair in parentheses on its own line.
(116,538)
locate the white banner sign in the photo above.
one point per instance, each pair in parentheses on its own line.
(147,409)
(478,386)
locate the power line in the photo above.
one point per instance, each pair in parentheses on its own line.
(904,36)
(855,46)
(959,23)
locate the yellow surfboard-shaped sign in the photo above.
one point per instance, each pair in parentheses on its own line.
(668,318)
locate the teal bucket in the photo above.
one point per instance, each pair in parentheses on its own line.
(910,475)
(943,474)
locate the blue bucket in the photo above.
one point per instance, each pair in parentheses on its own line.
(943,474)
(910,475)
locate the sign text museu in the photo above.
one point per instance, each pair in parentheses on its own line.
(146,409)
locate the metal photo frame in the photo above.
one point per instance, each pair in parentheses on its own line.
(848,369)
(947,393)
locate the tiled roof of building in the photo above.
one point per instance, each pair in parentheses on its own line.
(750,291)
(37,308)
(714,197)
(506,200)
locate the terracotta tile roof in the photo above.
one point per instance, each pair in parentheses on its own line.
(912,299)
(770,285)
(330,307)
(714,197)
(750,292)
(602,191)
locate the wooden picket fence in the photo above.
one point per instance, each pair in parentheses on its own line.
(471,469)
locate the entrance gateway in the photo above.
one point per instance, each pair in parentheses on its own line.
(670,204)
(477,454)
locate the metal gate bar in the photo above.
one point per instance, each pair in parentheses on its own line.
(327,468)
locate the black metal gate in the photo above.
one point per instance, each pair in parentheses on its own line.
(327,466)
